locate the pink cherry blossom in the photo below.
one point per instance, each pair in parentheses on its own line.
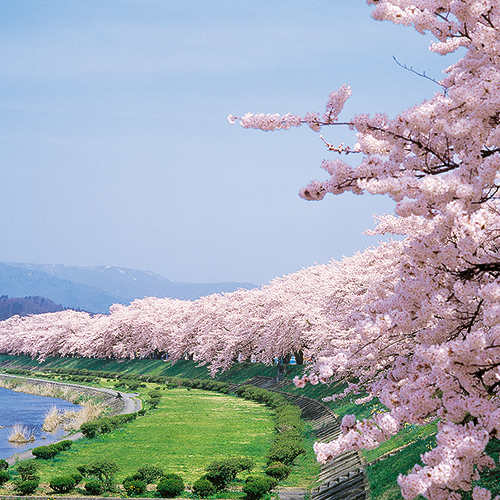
(416,321)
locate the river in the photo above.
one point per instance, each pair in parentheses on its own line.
(28,410)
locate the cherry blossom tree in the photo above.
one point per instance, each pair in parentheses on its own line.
(431,348)
(415,322)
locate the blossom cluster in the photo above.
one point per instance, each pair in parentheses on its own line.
(269,122)
(431,347)
(415,322)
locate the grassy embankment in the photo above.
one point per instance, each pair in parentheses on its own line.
(382,475)
(188,430)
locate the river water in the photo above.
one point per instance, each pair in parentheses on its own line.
(28,410)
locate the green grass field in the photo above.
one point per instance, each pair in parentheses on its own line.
(382,475)
(184,434)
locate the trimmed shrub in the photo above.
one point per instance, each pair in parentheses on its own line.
(244,463)
(149,473)
(170,486)
(45,452)
(28,470)
(94,486)
(77,477)
(203,488)
(63,445)
(89,429)
(258,486)
(62,484)
(4,476)
(103,470)
(27,487)
(287,419)
(278,470)
(134,487)
(4,464)
(285,449)
(221,472)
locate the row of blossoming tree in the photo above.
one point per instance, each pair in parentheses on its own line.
(414,322)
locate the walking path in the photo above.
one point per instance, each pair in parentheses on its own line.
(119,402)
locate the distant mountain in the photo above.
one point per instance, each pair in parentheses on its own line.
(26,305)
(95,289)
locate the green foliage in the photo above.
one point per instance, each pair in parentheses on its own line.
(50,451)
(170,486)
(28,470)
(103,470)
(27,487)
(257,486)
(94,486)
(77,477)
(268,398)
(105,425)
(382,476)
(203,488)
(278,470)
(134,487)
(288,443)
(221,472)
(63,445)
(89,429)
(288,419)
(45,452)
(62,484)
(4,476)
(149,473)
(4,464)
(285,448)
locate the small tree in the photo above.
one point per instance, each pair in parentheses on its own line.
(103,470)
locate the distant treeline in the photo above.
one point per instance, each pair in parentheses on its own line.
(26,305)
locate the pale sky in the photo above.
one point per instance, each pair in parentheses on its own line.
(115,144)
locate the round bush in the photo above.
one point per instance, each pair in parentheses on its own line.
(89,429)
(94,487)
(4,464)
(62,484)
(63,445)
(278,470)
(150,473)
(257,487)
(45,452)
(4,476)
(134,487)
(77,477)
(203,488)
(28,470)
(170,486)
(27,487)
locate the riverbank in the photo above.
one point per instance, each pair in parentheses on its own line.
(118,402)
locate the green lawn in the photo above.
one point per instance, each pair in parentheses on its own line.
(187,431)
(382,476)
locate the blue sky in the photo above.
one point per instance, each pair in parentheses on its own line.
(115,144)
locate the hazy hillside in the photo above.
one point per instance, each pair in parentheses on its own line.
(96,288)
(26,305)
